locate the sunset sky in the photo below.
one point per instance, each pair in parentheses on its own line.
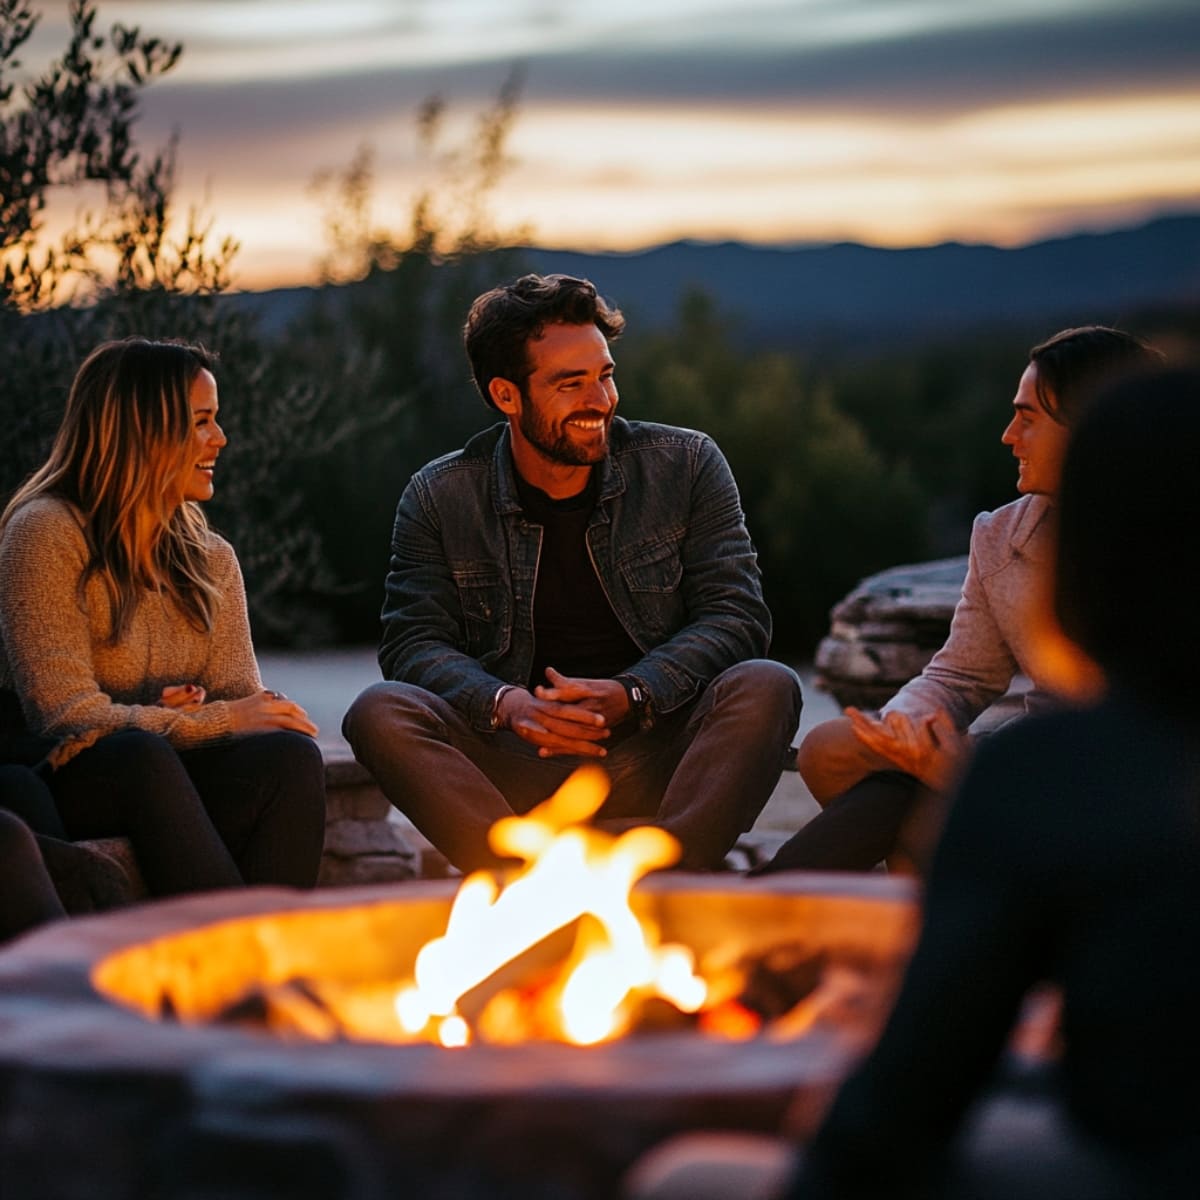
(892,122)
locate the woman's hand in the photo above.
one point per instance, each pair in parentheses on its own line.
(267,712)
(186,697)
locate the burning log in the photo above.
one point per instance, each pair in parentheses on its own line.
(781,995)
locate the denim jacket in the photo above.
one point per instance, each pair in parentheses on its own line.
(667,538)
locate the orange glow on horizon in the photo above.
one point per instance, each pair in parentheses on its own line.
(624,179)
(622,175)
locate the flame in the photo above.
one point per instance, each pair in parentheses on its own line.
(573,876)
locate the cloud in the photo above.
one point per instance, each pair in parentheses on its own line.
(916,69)
(885,120)
(910,69)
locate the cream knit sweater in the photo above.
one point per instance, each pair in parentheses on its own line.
(73,686)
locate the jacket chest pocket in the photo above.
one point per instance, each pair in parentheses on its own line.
(486,610)
(653,575)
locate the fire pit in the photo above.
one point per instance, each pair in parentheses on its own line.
(98,1098)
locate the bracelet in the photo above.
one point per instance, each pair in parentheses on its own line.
(641,707)
(500,692)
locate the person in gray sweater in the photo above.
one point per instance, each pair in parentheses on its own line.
(881,778)
(126,662)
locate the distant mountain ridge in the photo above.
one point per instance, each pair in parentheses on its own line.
(846,289)
(811,294)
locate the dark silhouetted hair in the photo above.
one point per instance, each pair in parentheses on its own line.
(1128,542)
(1074,363)
(502,322)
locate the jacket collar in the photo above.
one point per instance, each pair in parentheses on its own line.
(505,498)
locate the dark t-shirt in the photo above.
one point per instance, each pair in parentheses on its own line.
(575,629)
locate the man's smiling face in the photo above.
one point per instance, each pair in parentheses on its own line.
(1037,440)
(566,405)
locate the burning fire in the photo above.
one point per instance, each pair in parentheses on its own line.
(570,897)
(552,950)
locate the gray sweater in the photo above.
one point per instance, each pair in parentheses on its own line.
(73,686)
(992,633)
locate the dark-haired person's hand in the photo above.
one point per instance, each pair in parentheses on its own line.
(929,748)
(268,711)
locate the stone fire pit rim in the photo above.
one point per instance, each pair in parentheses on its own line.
(83,939)
(53,1019)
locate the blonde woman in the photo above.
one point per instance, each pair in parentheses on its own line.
(125,638)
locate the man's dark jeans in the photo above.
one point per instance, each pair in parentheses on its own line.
(702,773)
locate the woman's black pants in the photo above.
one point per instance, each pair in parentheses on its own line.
(246,811)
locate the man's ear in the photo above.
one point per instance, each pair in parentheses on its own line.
(505,394)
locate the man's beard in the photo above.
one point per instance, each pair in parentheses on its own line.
(558,448)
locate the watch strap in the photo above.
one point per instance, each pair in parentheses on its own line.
(641,706)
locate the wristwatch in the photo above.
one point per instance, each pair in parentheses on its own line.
(641,707)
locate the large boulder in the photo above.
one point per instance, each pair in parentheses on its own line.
(886,630)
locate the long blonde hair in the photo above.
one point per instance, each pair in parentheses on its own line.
(117,457)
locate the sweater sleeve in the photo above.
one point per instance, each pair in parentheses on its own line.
(975,666)
(49,639)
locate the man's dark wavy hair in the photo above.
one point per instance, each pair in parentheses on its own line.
(503,321)
(1074,363)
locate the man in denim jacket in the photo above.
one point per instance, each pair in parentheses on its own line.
(572,587)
